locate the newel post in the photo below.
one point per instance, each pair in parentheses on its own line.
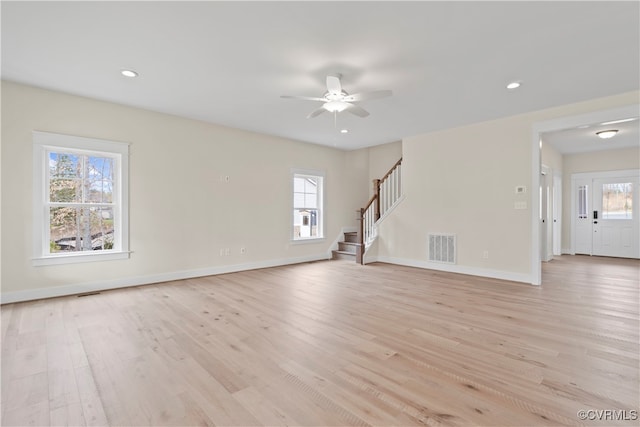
(360,247)
(376,203)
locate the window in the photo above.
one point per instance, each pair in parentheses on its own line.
(80,199)
(617,200)
(307,206)
(583,209)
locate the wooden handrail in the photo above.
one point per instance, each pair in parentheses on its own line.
(371,200)
(391,170)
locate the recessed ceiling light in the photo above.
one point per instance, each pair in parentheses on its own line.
(129,73)
(606,134)
(344,131)
(513,85)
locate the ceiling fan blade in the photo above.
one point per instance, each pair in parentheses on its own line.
(364,96)
(305,98)
(333,84)
(316,113)
(357,110)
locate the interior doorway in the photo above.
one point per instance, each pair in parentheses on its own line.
(590,123)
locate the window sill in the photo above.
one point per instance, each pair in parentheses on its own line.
(79,258)
(308,240)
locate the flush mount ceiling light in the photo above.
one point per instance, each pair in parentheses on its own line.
(513,85)
(129,73)
(606,134)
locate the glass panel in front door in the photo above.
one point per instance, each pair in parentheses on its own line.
(617,200)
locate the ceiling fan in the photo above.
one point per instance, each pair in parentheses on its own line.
(336,100)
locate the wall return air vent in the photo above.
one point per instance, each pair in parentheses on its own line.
(442,248)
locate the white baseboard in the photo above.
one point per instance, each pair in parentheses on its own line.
(81,288)
(461,269)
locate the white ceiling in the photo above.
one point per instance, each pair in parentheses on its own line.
(228,62)
(584,138)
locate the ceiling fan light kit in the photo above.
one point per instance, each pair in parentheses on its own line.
(336,100)
(335,106)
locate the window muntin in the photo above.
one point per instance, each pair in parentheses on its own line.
(80,204)
(307,206)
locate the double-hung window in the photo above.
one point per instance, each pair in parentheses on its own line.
(307,206)
(80,199)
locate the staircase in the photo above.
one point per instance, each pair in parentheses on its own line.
(349,248)
(387,192)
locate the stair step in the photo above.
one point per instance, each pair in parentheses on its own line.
(343,255)
(348,247)
(351,237)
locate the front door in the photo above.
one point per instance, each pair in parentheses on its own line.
(615,217)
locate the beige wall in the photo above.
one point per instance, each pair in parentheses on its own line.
(458,181)
(598,161)
(462,181)
(551,157)
(626,158)
(181,214)
(381,159)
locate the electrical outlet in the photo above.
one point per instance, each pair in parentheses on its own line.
(221,252)
(485,255)
(226,251)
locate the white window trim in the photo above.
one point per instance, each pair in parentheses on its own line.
(321,222)
(42,143)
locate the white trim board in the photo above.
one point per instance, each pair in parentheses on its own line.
(81,288)
(449,268)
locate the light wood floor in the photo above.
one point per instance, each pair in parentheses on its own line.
(331,343)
